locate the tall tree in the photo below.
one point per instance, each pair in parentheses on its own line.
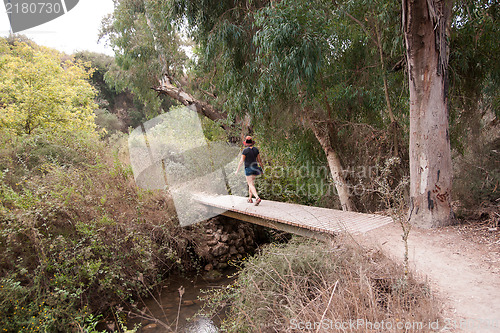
(426,24)
(142,55)
(474,68)
(148,49)
(292,56)
(39,90)
(305,59)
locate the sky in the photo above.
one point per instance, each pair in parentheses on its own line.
(77,30)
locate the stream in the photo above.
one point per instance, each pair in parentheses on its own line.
(166,306)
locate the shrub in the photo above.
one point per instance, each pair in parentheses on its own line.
(477,175)
(107,122)
(76,235)
(307,282)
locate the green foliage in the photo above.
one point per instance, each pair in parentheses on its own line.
(41,92)
(100,64)
(477,176)
(474,69)
(108,123)
(475,103)
(291,44)
(288,63)
(148,47)
(212,131)
(75,236)
(295,168)
(119,109)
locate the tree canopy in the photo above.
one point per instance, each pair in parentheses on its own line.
(324,81)
(41,89)
(147,45)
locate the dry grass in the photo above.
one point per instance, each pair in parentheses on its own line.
(309,286)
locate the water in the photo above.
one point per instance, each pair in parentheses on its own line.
(172,318)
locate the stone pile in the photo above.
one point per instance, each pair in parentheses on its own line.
(226,240)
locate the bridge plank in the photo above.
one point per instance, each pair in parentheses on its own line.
(324,220)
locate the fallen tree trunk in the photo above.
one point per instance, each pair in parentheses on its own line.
(166,87)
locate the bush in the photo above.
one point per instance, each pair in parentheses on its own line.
(477,176)
(307,282)
(76,235)
(107,122)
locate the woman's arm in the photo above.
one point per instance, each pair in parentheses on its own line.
(260,161)
(240,164)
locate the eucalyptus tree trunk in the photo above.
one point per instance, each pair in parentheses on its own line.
(335,166)
(425,23)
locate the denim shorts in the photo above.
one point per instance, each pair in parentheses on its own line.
(250,171)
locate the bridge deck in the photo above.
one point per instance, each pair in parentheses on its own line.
(292,217)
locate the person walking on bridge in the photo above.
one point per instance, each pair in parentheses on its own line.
(251,158)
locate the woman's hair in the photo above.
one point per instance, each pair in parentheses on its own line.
(249,141)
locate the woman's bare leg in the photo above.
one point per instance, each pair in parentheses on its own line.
(251,186)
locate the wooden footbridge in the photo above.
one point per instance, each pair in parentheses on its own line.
(308,221)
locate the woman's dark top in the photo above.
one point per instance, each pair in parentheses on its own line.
(250,156)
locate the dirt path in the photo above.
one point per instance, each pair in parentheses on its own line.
(462,272)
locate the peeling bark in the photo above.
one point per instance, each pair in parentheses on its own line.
(425,24)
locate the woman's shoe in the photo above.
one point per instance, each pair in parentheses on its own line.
(250,200)
(257,201)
